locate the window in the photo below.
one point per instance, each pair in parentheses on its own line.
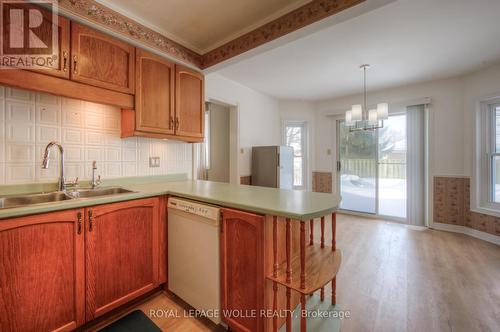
(295,137)
(494,153)
(485,187)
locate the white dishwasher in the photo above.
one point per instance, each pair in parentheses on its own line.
(193,254)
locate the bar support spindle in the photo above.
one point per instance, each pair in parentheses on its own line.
(334,247)
(288,251)
(275,273)
(302,255)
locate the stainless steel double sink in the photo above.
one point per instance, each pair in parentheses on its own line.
(57,196)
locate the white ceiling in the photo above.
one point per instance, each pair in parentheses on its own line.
(203,25)
(405,42)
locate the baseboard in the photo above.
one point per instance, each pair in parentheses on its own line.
(467,231)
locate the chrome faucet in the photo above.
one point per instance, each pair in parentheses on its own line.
(95,182)
(46,159)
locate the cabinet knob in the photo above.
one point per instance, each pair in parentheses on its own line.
(65,61)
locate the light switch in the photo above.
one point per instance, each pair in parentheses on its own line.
(329,152)
(154,161)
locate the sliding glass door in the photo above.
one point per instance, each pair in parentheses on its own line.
(372,168)
(357,168)
(392,167)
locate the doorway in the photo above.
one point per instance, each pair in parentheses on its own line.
(372,168)
(217,120)
(216,159)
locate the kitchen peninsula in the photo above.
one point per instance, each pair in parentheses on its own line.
(266,262)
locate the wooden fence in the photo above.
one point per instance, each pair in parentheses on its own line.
(366,168)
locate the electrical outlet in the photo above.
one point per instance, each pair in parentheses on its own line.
(329,152)
(154,161)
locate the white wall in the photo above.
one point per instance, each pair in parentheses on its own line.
(87,131)
(259,120)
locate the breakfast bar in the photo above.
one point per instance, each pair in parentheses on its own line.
(269,261)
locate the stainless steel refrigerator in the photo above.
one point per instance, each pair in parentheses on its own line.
(272,166)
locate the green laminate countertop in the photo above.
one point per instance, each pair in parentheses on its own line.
(298,205)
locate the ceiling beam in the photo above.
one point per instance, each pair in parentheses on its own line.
(303,16)
(96,13)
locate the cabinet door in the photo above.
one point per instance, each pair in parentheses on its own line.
(56,64)
(154,98)
(242,265)
(189,102)
(42,280)
(121,246)
(101,60)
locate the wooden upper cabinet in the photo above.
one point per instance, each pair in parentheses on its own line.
(42,281)
(242,268)
(189,102)
(61,64)
(101,60)
(122,253)
(56,64)
(154,103)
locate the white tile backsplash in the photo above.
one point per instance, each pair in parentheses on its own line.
(20,112)
(72,117)
(19,94)
(19,172)
(88,131)
(21,153)
(73,136)
(48,115)
(45,98)
(2,173)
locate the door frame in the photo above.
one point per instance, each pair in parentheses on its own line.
(306,183)
(376,215)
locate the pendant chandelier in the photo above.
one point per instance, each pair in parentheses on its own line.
(360,118)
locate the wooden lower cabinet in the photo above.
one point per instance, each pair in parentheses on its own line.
(60,270)
(42,278)
(242,269)
(121,253)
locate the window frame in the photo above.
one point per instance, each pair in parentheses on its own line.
(482,186)
(492,154)
(304,147)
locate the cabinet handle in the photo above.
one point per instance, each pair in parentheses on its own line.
(79,223)
(75,62)
(65,61)
(91,221)
(176,123)
(171,122)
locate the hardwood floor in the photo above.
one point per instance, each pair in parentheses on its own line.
(395,278)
